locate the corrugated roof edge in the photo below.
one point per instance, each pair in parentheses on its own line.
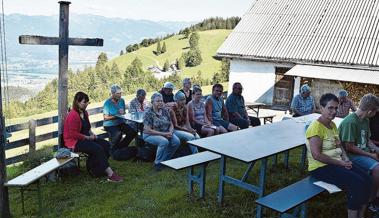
(297,61)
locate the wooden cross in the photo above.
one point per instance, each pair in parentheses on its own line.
(63,41)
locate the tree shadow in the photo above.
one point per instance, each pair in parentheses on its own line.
(185,48)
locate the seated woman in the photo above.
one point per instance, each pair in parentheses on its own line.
(179,116)
(197,116)
(328,161)
(77,135)
(159,130)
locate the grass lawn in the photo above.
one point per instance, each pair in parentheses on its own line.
(147,193)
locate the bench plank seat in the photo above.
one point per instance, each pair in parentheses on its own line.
(191,160)
(291,196)
(38,172)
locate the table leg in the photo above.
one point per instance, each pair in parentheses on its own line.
(258,111)
(303,157)
(262,181)
(286,158)
(221,180)
(190,181)
(22,200)
(39,198)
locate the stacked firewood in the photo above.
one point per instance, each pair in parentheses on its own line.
(357,90)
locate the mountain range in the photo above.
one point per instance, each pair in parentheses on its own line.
(29,64)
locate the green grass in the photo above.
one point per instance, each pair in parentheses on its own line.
(146,193)
(209,42)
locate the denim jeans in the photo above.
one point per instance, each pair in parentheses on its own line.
(186,136)
(165,147)
(355,182)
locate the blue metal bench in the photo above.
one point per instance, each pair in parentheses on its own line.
(199,159)
(293,196)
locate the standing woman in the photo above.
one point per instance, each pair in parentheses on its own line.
(159,130)
(197,116)
(328,161)
(78,136)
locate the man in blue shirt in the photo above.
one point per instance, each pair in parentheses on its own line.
(303,103)
(116,126)
(235,104)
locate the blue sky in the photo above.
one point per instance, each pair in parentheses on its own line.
(156,10)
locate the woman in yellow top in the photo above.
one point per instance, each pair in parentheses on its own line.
(328,161)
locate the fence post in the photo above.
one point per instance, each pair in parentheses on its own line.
(32,135)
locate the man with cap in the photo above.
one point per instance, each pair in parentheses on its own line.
(115,126)
(303,103)
(345,104)
(167,94)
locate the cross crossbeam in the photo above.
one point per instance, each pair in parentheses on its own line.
(45,40)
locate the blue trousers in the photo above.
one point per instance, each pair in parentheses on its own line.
(165,147)
(355,182)
(186,136)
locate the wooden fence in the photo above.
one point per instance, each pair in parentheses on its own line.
(33,138)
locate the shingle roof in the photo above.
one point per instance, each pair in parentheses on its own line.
(308,31)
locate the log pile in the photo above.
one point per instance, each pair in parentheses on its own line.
(357,90)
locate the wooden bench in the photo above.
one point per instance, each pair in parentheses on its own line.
(267,118)
(190,161)
(34,175)
(293,196)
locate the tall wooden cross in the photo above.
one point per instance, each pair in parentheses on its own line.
(63,41)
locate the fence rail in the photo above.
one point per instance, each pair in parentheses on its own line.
(33,138)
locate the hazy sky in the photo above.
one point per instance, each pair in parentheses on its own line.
(170,10)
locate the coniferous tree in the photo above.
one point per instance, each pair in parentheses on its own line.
(101,59)
(159,49)
(194,40)
(166,66)
(225,69)
(164,49)
(181,63)
(121,52)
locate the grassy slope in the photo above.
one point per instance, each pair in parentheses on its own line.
(210,41)
(146,193)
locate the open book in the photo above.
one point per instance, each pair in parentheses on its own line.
(329,187)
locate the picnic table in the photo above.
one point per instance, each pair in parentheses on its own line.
(134,117)
(252,145)
(253,105)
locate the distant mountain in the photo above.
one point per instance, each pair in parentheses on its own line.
(116,32)
(34,65)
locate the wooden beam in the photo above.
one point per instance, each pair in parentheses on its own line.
(38,40)
(85,41)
